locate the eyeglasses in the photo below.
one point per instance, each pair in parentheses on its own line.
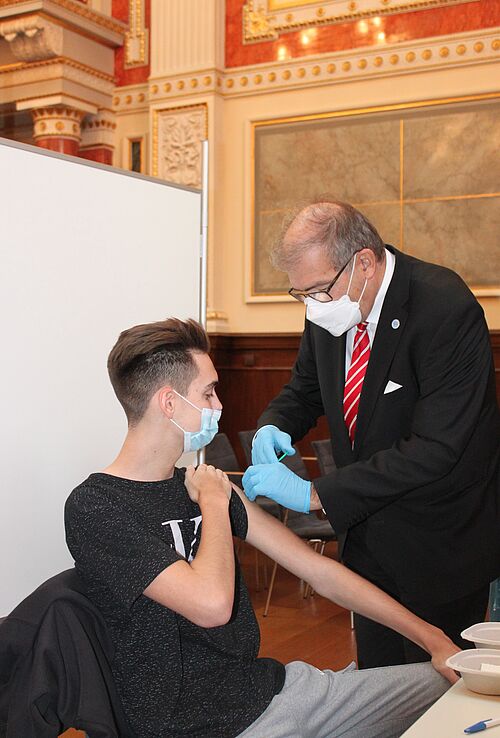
(319,295)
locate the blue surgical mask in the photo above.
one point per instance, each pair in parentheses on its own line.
(195,440)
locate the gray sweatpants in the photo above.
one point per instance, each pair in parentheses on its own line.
(373,703)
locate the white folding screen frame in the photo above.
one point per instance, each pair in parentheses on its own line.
(86,251)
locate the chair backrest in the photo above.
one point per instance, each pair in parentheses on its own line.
(295,463)
(220,454)
(323,451)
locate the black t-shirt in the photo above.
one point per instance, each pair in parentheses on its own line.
(174,677)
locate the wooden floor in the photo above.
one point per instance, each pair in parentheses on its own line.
(313,630)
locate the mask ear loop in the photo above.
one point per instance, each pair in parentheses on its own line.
(186,400)
(350,278)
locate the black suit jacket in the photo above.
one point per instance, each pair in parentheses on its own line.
(55,672)
(420,490)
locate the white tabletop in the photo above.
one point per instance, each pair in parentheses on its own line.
(456,710)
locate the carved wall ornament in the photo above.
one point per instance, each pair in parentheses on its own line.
(177,137)
(267,19)
(33,38)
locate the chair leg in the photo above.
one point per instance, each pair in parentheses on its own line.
(271,586)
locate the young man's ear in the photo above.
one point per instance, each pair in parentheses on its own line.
(166,400)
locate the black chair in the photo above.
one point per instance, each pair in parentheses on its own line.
(55,666)
(324,456)
(307,526)
(220,453)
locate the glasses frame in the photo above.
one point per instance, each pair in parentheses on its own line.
(301,295)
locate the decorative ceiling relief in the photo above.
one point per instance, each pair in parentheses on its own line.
(265,20)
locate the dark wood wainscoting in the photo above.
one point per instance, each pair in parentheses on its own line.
(252,369)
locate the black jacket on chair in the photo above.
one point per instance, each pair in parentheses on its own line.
(420,489)
(55,666)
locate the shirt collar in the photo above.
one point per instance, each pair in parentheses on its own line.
(390,262)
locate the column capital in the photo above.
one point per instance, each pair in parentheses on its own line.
(58,128)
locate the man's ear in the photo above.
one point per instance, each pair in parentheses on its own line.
(166,400)
(368,263)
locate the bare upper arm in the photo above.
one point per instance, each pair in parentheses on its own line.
(274,539)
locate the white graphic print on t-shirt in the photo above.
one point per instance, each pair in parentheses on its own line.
(184,532)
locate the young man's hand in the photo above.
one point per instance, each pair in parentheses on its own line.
(206,481)
(440,649)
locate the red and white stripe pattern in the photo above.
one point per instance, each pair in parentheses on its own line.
(355,377)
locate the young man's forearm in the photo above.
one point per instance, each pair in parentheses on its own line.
(214,560)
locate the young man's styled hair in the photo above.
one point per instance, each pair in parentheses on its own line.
(148,356)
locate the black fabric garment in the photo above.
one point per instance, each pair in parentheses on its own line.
(55,672)
(381,646)
(419,494)
(174,677)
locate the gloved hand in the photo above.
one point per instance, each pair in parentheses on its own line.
(278,483)
(269,441)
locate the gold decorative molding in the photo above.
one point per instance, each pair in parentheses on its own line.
(457,50)
(177,136)
(57,60)
(136,39)
(265,20)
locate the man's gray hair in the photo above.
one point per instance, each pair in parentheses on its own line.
(335,226)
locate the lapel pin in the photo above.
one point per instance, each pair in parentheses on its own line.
(395,324)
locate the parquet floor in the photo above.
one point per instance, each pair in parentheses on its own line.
(312,629)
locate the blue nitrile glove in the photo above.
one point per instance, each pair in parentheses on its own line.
(280,484)
(269,441)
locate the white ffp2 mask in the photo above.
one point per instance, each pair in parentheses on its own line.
(336,316)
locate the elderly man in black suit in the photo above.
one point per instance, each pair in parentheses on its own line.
(396,354)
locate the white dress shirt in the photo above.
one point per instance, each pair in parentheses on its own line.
(374,315)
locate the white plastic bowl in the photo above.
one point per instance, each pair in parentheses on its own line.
(483,635)
(468,663)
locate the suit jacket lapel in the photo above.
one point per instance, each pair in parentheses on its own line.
(389,330)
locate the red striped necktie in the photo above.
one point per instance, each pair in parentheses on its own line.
(355,377)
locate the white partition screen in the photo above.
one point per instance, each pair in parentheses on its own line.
(85,252)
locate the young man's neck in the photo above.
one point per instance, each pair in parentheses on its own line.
(143,458)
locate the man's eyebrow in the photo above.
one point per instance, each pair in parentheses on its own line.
(316,286)
(212,384)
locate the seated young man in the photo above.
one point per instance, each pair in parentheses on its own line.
(154,546)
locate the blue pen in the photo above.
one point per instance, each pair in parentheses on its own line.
(482,725)
(283,456)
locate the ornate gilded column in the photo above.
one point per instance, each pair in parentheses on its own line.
(58,129)
(98,137)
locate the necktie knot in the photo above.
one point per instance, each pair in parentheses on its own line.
(362,327)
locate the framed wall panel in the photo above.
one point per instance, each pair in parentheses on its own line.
(423,174)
